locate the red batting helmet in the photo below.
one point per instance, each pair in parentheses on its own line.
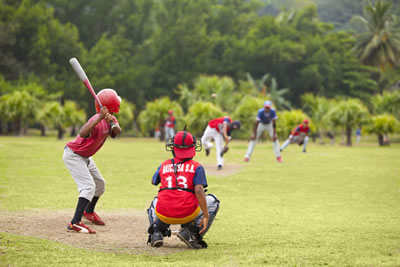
(109,99)
(183,145)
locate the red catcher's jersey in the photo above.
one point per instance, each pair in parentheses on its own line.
(177,203)
(300,129)
(218,123)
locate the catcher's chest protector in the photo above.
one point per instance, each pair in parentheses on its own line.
(178,176)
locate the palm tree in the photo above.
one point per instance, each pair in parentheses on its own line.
(378,39)
(317,108)
(271,91)
(382,126)
(348,114)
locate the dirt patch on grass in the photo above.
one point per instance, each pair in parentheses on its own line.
(125,231)
(227,170)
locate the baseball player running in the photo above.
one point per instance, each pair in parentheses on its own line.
(220,130)
(78,159)
(299,135)
(265,121)
(181,198)
(169,125)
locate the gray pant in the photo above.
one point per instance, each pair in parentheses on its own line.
(169,132)
(87,177)
(212,205)
(260,129)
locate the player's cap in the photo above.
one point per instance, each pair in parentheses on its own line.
(306,121)
(235,125)
(184,145)
(170,111)
(267,104)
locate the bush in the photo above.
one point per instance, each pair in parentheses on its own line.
(288,120)
(125,115)
(199,115)
(246,113)
(156,113)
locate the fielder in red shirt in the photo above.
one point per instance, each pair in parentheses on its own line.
(78,159)
(219,130)
(298,135)
(181,198)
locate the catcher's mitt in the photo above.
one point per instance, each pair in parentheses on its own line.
(224,151)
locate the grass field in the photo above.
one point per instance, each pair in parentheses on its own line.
(333,205)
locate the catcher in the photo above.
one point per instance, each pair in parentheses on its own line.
(219,129)
(181,198)
(299,135)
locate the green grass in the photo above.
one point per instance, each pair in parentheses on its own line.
(334,205)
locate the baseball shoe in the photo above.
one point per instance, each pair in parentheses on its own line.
(246,159)
(279,159)
(280,149)
(80,228)
(219,167)
(93,217)
(192,240)
(304,151)
(156,239)
(207,152)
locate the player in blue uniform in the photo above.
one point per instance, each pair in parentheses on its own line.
(265,121)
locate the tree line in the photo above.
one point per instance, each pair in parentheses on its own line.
(147,49)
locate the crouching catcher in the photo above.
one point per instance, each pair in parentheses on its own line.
(181,198)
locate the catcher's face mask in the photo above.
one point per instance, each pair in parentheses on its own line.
(183,145)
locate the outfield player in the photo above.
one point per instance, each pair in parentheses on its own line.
(181,198)
(265,121)
(169,125)
(298,135)
(219,130)
(78,159)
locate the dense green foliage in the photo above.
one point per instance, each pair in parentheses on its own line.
(211,51)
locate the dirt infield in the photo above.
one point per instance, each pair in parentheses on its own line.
(229,169)
(125,231)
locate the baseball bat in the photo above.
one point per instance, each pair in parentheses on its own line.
(76,66)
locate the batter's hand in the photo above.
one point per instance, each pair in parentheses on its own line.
(108,117)
(103,112)
(253,137)
(203,225)
(274,138)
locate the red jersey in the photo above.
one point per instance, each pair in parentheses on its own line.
(87,147)
(300,129)
(174,205)
(218,123)
(170,122)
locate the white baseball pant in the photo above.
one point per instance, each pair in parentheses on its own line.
(295,139)
(212,133)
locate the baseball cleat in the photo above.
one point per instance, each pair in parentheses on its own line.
(80,228)
(156,239)
(304,151)
(279,159)
(93,217)
(219,167)
(246,159)
(192,240)
(207,152)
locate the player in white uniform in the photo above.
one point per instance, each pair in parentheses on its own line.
(266,121)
